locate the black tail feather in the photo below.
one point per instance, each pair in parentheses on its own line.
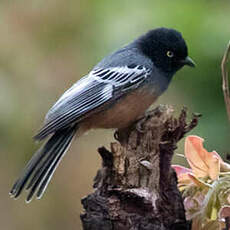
(48,169)
(49,174)
(43,164)
(47,160)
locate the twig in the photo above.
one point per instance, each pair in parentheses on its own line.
(225,86)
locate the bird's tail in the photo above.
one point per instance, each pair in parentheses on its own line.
(43,164)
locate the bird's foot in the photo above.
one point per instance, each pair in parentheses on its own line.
(139,126)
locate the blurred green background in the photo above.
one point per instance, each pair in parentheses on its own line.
(45,46)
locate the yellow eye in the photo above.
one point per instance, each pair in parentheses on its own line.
(170,54)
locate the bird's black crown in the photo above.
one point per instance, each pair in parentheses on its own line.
(165,47)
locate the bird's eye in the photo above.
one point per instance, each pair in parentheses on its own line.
(170,54)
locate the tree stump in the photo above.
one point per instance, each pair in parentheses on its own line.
(136,188)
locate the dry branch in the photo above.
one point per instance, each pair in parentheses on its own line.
(225,86)
(136,188)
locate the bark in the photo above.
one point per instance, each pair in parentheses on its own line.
(136,188)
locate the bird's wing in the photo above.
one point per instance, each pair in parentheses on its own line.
(121,76)
(100,86)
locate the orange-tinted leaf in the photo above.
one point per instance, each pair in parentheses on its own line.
(195,156)
(214,168)
(202,162)
(197,182)
(224,166)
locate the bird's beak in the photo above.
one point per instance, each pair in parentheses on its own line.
(188,61)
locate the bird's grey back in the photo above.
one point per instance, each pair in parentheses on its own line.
(126,56)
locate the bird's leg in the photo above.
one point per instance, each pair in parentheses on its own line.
(139,125)
(122,134)
(116,135)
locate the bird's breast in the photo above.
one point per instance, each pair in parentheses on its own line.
(125,111)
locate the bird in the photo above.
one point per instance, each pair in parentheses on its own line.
(113,95)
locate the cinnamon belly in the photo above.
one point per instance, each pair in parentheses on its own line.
(124,112)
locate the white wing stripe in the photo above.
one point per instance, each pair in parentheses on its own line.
(118,76)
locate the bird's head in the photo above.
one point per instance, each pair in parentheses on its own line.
(166,48)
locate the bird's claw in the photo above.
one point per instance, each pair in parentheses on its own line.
(116,135)
(139,127)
